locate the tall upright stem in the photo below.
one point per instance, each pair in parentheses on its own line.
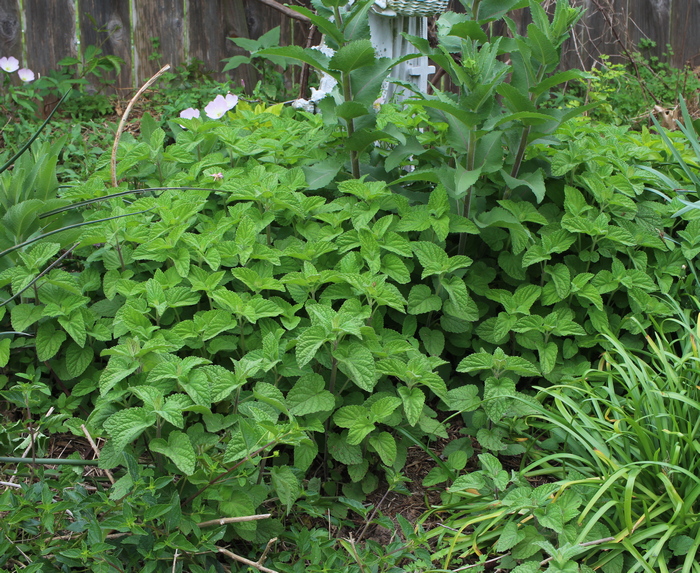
(467,206)
(347,95)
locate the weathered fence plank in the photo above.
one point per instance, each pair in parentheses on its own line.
(210,25)
(685,33)
(49,33)
(10,29)
(187,29)
(615,27)
(164,20)
(108,25)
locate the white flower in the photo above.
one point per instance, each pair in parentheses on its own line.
(189,113)
(10,64)
(216,108)
(231,100)
(26,75)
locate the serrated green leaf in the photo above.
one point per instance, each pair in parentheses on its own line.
(433,259)
(413,400)
(477,361)
(561,277)
(357,363)
(127,425)
(118,368)
(497,397)
(433,340)
(435,476)
(385,446)
(245,439)
(352,56)
(421,300)
(179,449)
(359,429)
(24,315)
(4,352)
(304,454)
(510,536)
(358,471)
(78,359)
(286,485)
(48,341)
(75,327)
(548,357)
(463,398)
(309,395)
(384,407)
(308,343)
(343,452)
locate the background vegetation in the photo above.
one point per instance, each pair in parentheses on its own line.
(276,316)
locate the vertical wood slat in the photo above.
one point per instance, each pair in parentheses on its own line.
(10,29)
(162,19)
(49,33)
(108,25)
(685,31)
(210,24)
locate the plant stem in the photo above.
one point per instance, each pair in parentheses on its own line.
(347,95)
(518,157)
(48,461)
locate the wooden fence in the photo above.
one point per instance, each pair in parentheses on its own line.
(149,33)
(146,34)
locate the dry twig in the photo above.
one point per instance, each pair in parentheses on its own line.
(285,10)
(96,450)
(225,520)
(248,562)
(122,123)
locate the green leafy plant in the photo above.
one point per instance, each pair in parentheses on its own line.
(629,427)
(500,517)
(74,74)
(628,92)
(271,84)
(357,70)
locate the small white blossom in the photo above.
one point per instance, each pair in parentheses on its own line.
(10,64)
(26,75)
(216,108)
(189,113)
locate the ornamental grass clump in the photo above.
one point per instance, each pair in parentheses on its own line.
(631,426)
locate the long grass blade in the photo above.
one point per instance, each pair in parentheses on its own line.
(121,194)
(66,228)
(41,274)
(33,137)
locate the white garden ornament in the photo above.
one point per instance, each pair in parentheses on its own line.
(387,20)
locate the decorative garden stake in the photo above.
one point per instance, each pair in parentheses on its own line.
(387,20)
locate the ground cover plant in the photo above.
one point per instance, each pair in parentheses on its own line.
(273,307)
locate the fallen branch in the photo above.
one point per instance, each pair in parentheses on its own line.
(122,123)
(285,10)
(248,562)
(220,521)
(225,520)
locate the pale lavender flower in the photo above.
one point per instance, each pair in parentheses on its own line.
(10,64)
(217,176)
(189,113)
(231,100)
(26,75)
(216,108)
